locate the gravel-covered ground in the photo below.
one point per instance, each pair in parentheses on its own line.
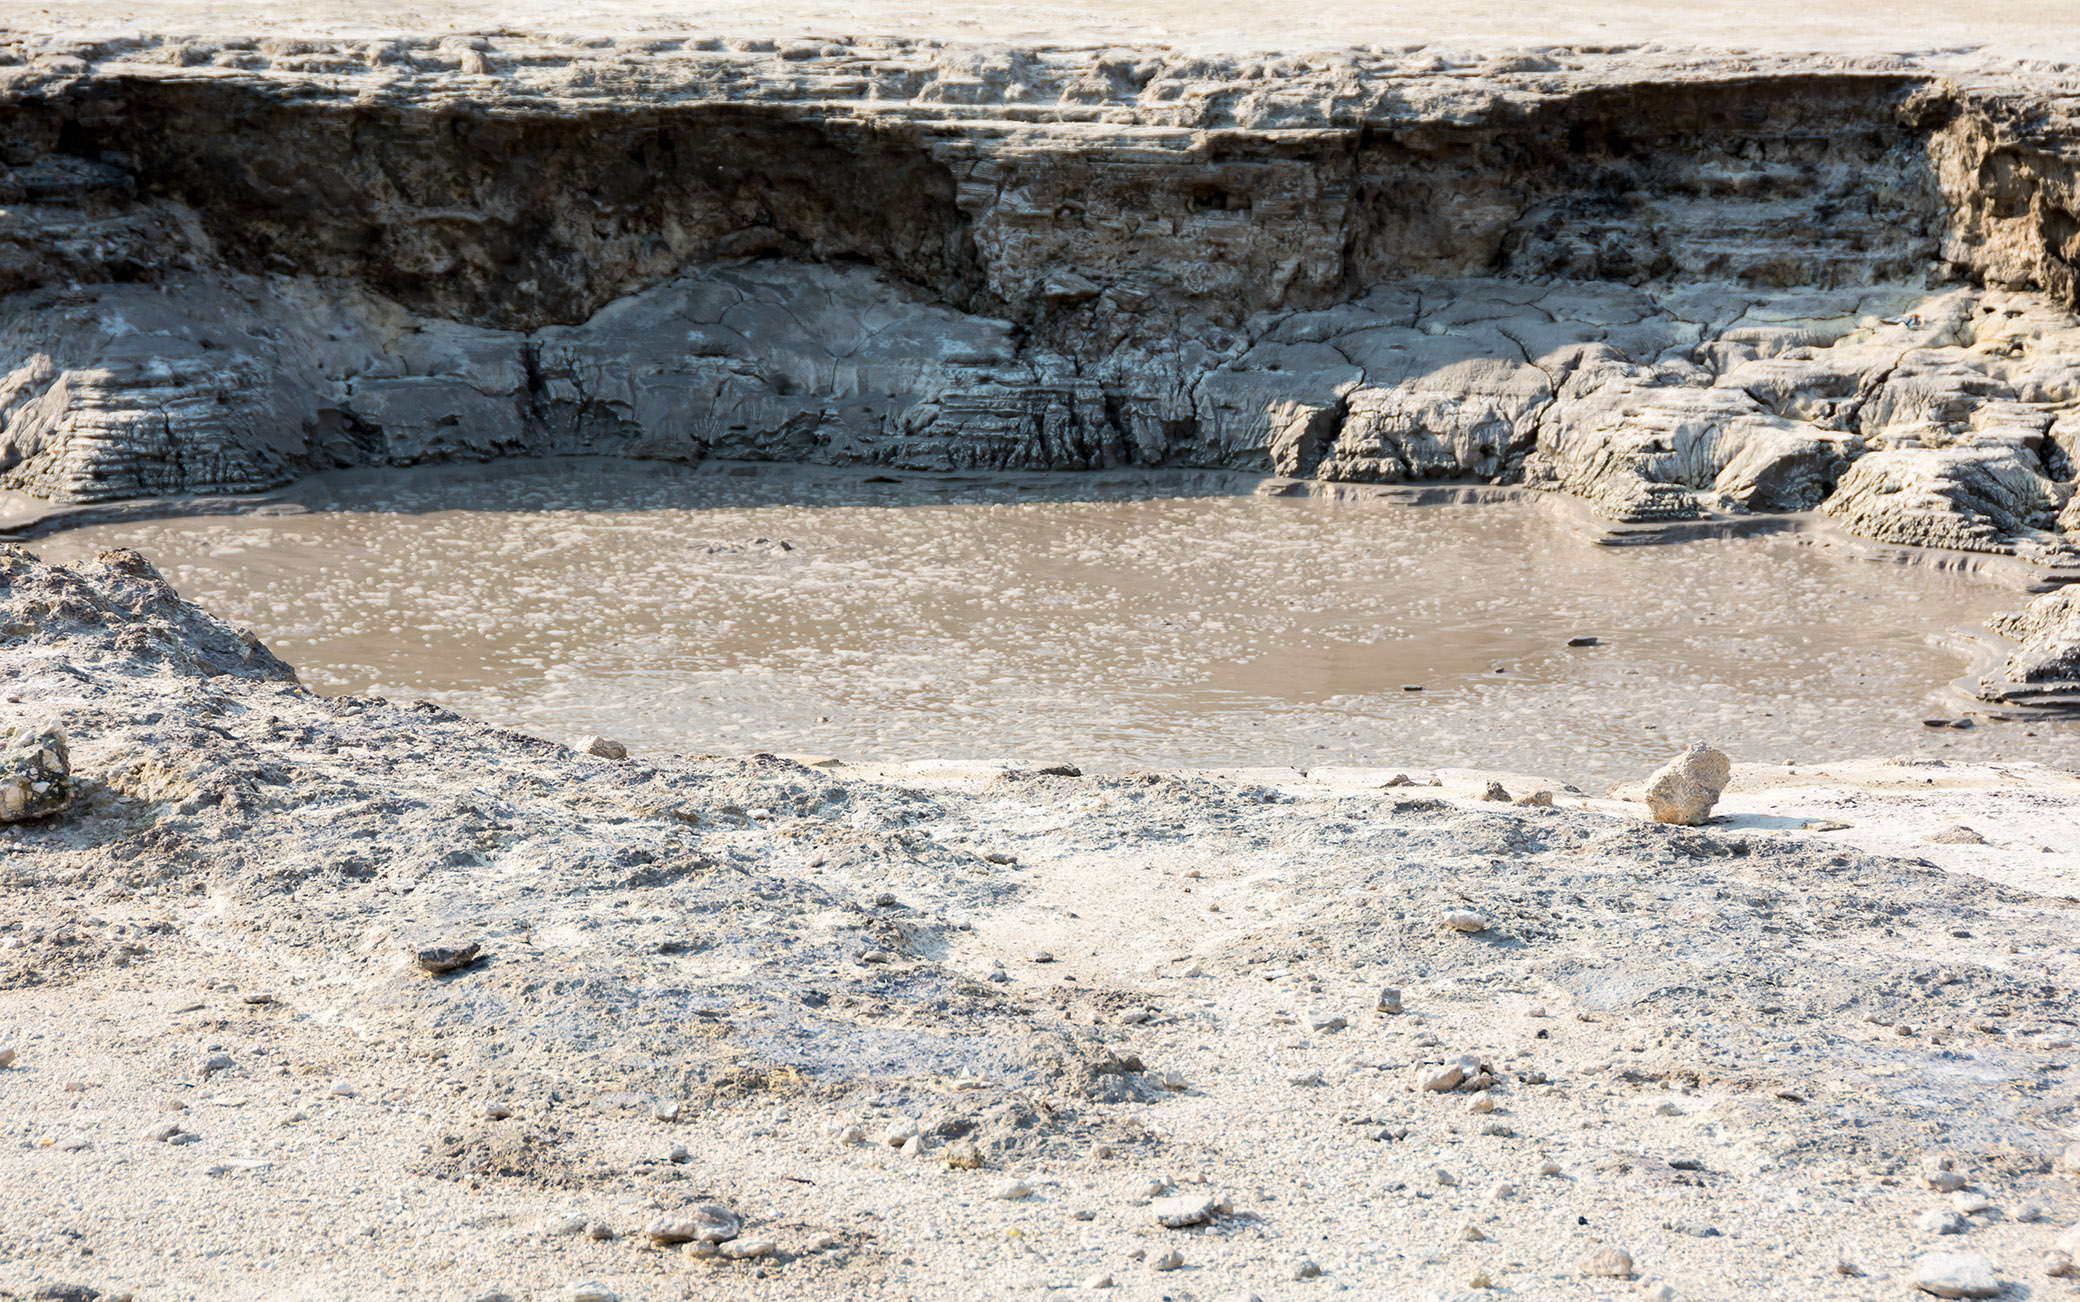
(1746,1056)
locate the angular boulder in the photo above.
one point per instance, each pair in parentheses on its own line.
(1684,790)
(35,772)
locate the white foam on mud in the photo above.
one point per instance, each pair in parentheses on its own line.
(1114,620)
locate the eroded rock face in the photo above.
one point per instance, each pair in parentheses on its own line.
(1684,790)
(2043,668)
(1338,268)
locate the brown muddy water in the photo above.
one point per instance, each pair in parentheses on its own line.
(1114,620)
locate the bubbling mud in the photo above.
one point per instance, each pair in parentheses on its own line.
(1110,620)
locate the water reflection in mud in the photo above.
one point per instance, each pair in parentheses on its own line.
(1114,620)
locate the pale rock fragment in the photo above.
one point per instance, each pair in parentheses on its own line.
(1940,1174)
(748,1247)
(700,1223)
(1956,1274)
(1684,790)
(35,772)
(1182,1211)
(1938,1221)
(1605,1263)
(900,1132)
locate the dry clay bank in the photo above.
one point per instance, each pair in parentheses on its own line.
(332,997)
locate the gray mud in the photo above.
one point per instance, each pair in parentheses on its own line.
(1115,620)
(1737,1053)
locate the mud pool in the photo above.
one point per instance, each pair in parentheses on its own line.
(1113,621)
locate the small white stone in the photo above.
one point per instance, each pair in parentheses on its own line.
(1937,1221)
(702,1223)
(1549,1167)
(1444,1178)
(2059,1265)
(1656,1291)
(7,1055)
(342,1089)
(1098,1281)
(1481,1103)
(1171,1259)
(1501,1190)
(1956,1274)
(1132,1017)
(913,1146)
(1010,1190)
(1940,1174)
(1389,1000)
(1606,1263)
(750,1246)
(851,1135)
(900,1132)
(1968,1203)
(591,1292)
(1466,920)
(1183,1210)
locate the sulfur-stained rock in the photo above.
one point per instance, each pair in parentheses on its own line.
(35,772)
(1685,789)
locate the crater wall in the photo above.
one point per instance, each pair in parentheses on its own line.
(1673,283)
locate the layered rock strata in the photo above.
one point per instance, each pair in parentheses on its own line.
(1668,284)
